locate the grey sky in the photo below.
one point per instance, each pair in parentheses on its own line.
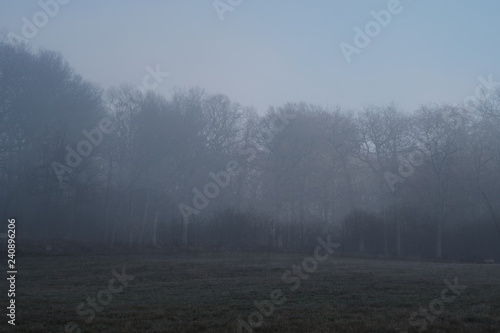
(271,52)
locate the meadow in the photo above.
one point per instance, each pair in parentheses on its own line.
(216,292)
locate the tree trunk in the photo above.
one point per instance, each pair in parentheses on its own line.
(439,238)
(398,234)
(185,226)
(361,242)
(155,229)
(106,203)
(144,221)
(398,238)
(130,226)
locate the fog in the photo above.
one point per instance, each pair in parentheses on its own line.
(230,127)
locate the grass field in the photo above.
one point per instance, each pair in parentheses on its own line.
(210,292)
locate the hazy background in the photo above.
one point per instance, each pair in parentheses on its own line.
(373,171)
(268,53)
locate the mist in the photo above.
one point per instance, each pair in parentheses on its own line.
(258,156)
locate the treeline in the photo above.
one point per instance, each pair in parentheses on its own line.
(124,168)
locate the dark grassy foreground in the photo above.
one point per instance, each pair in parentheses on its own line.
(208,293)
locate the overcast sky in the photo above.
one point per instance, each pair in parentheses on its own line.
(271,52)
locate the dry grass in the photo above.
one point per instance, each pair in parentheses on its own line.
(209,292)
